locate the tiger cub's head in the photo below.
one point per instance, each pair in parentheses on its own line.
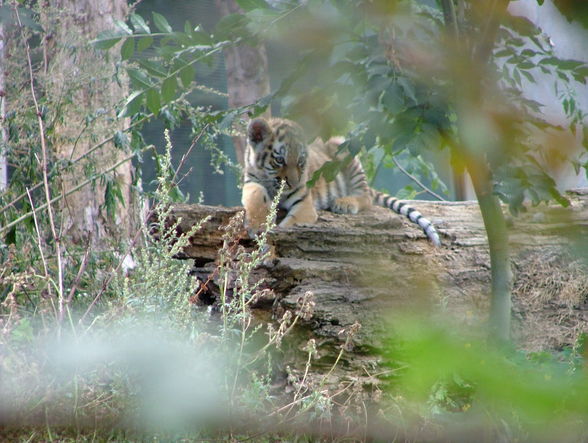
(279,150)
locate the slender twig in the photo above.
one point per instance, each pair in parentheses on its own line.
(107,281)
(3,128)
(37,230)
(76,281)
(417,181)
(189,150)
(78,159)
(450,17)
(40,245)
(65,194)
(56,238)
(301,384)
(91,151)
(151,211)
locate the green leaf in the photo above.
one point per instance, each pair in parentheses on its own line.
(570,64)
(161,23)
(187,27)
(23,332)
(107,39)
(526,65)
(133,104)
(517,76)
(200,38)
(506,52)
(139,77)
(121,141)
(139,24)
(112,193)
(123,27)
(153,101)
(10,238)
(582,71)
(127,49)
(549,61)
(408,87)
(228,120)
(529,76)
(144,43)
(232,26)
(187,75)
(168,89)
(329,171)
(393,99)
(153,67)
(249,5)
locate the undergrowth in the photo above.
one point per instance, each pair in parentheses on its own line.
(142,357)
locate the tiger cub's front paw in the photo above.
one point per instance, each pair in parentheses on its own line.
(345,205)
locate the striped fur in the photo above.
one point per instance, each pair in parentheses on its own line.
(276,151)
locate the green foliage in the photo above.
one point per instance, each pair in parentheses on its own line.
(533,393)
(386,87)
(376,91)
(144,351)
(573,10)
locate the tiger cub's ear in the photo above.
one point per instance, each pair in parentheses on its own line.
(258,131)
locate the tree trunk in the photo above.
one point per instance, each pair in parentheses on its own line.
(371,266)
(81,81)
(247,74)
(3,130)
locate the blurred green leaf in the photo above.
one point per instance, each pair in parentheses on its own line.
(123,27)
(139,78)
(127,49)
(168,89)
(133,104)
(107,39)
(139,24)
(121,141)
(161,23)
(153,100)
(187,75)
(249,5)
(144,43)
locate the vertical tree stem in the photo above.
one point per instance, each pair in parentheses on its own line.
(496,231)
(3,130)
(56,237)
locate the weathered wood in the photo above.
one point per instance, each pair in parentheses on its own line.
(362,267)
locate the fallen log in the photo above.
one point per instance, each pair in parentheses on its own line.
(362,267)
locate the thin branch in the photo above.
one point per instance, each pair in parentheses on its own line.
(40,243)
(450,17)
(3,129)
(127,253)
(417,181)
(56,238)
(483,49)
(187,153)
(78,159)
(71,191)
(76,281)
(112,274)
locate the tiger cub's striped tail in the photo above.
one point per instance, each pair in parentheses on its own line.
(387,201)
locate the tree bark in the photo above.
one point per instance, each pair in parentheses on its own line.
(81,81)
(3,130)
(247,74)
(369,267)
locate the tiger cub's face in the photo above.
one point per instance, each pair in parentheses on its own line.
(279,151)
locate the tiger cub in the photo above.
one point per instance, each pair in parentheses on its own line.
(276,151)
